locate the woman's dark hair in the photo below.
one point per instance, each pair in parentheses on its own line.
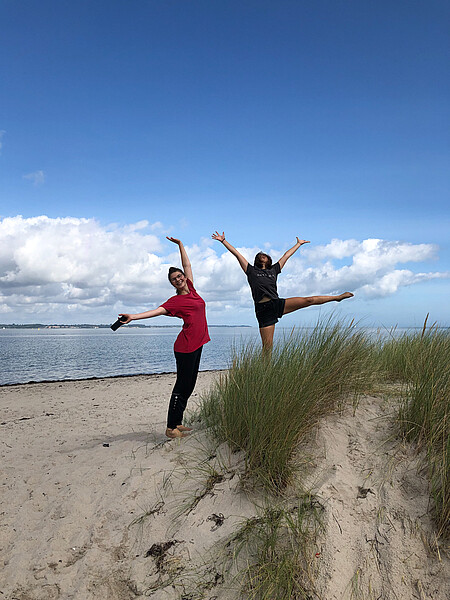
(173,270)
(258,262)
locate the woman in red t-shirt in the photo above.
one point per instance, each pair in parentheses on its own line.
(190,307)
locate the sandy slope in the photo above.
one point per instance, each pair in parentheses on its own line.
(379,540)
(97,504)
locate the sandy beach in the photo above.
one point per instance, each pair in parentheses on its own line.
(96,503)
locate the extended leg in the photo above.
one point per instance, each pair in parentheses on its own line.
(300,302)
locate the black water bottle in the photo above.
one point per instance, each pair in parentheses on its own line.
(120,321)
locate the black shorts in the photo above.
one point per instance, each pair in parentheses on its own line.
(269,312)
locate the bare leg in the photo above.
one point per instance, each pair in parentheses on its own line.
(299,302)
(267,338)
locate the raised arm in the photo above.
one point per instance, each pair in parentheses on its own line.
(184,258)
(291,251)
(157,312)
(221,238)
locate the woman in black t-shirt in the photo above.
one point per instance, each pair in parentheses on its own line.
(262,278)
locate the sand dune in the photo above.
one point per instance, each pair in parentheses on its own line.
(97,504)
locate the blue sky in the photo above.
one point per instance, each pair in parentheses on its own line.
(327,120)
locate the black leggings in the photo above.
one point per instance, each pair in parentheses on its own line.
(187,371)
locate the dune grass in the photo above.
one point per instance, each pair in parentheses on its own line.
(422,361)
(277,552)
(267,406)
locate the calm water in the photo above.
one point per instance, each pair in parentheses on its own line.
(57,354)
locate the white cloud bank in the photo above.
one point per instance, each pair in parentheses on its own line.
(76,268)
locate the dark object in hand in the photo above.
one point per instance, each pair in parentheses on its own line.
(120,321)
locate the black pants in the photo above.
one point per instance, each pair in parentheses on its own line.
(187,370)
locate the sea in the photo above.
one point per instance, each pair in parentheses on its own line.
(32,355)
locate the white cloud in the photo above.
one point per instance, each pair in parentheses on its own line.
(391,282)
(59,260)
(335,249)
(37,177)
(372,268)
(158,226)
(75,267)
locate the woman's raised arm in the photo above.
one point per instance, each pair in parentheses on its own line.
(221,238)
(185,262)
(291,251)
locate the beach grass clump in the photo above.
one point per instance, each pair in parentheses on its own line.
(425,412)
(265,406)
(397,356)
(420,360)
(276,552)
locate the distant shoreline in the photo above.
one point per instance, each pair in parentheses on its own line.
(100,326)
(138,326)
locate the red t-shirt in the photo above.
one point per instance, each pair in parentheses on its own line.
(191,308)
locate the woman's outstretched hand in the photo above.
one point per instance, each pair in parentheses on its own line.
(301,242)
(219,237)
(125,318)
(174,240)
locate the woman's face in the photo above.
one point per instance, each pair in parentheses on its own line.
(178,280)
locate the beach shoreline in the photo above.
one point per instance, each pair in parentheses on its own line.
(107,377)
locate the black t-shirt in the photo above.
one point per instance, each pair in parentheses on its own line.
(263,282)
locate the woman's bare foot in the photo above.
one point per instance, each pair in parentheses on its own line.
(183,428)
(175,433)
(344,296)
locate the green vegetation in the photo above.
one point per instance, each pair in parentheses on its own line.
(422,361)
(266,407)
(277,551)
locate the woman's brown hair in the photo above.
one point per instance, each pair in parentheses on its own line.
(258,262)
